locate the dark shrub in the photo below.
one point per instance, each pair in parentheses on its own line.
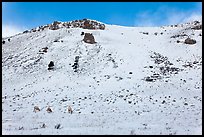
(51,65)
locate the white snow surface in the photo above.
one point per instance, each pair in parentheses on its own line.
(105,97)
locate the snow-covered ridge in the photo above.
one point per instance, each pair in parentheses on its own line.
(84,23)
(94,24)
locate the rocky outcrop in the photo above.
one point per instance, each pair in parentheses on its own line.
(198,27)
(164,68)
(84,23)
(89,38)
(89,24)
(82,33)
(54,25)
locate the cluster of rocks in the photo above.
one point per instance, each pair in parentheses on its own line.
(76,64)
(197,27)
(43,50)
(110,58)
(177,36)
(146,33)
(187,40)
(156,33)
(3,42)
(90,24)
(158,58)
(55,25)
(176,25)
(165,68)
(196,22)
(192,64)
(84,23)
(149,79)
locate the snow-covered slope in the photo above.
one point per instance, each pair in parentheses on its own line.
(134,80)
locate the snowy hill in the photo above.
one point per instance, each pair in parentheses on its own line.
(133,80)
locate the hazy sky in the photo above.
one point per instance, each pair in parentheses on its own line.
(18,16)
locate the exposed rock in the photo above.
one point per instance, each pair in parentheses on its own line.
(190,41)
(26,31)
(198,27)
(196,22)
(87,25)
(164,66)
(149,79)
(145,33)
(89,38)
(185,103)
(45,49)
(181,35)
(55,41)
(77,59)
(102,26)
(54,25)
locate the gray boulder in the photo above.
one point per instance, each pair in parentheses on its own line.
(190,41)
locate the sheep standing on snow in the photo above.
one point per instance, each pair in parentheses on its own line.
(36,109)
(49,110)
(70,109)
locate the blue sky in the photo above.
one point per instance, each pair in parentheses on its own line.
(27,15)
